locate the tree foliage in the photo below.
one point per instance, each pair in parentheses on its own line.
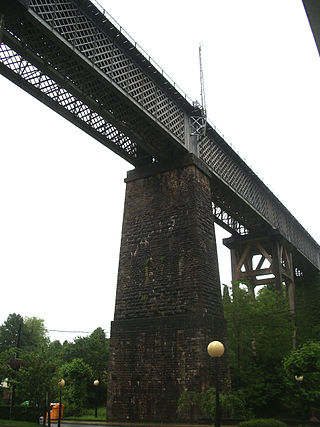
(262,363)
(192,405)
(303,364)
(94,350)
(303,360)
(33,365)
(78,377)
(28,333)
(260,333)
(9,332)
(34,377)
(35,334)
(308,308)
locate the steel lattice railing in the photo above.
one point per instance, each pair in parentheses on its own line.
(81,32)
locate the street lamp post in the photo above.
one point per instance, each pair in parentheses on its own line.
(96,384)
(61,384)
(216,350)
(299,380)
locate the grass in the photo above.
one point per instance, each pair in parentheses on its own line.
(89,415)
(18,423)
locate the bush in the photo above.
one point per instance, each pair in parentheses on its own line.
(263,422)
(4,412)
(21,413)
(192,405)
(189,405)
(232,404)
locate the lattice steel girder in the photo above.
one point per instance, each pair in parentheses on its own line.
(232,212)
(239,192)
(227,221)
(33,40)
(51,91)
(95,40)
(70,56)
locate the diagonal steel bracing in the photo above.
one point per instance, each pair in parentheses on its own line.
(78,61)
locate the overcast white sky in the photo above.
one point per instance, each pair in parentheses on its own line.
(62,193)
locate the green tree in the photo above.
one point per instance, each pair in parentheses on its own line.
(55,350)
(274,325)
(34,377)
(35,334)
(192,404)
(239,314)
(5,368)
(78,377)
(260,333)
(28,334)
(308,308)
(303,363)
(9,332)
(94,351)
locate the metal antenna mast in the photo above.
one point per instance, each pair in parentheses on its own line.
(199,119)
(203,97)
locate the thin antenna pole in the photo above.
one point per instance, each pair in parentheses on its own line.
(202,92)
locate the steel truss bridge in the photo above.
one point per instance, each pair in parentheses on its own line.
(72,56)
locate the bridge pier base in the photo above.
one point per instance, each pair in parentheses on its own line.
(260,260)
(168,302)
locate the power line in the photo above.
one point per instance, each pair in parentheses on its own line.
(71,332)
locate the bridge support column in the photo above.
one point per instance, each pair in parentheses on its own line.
(260,260)
(168,302)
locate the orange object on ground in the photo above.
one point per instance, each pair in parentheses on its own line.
(54,413)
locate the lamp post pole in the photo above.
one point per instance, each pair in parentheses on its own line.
(48,406)
(216,350)
(96,384)
(61,384)
(299,380)
(218,411)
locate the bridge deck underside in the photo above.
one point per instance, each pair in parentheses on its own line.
(71,57)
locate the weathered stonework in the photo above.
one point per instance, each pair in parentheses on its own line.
(168,302)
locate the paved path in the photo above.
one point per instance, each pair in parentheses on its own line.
(83,423)
(114,424)
(119,424)
(111,424)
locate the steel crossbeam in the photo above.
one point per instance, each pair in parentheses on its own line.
(73,58)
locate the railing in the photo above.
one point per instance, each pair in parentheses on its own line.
(141,50)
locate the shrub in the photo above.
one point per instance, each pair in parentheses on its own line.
(189,405)
(192,404)
(4,412)
(20,413)
(262,422)
(232,404)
